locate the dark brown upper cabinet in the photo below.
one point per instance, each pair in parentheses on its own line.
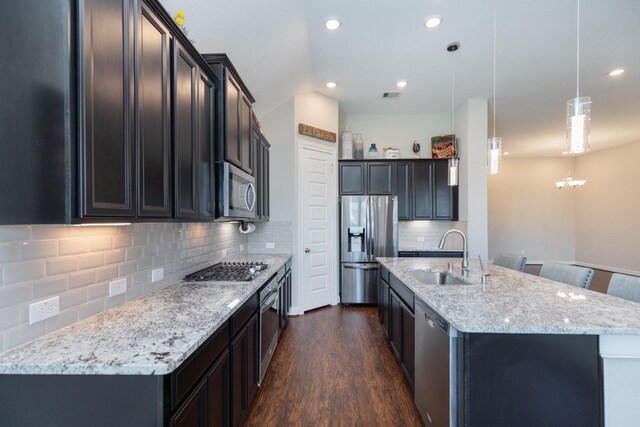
(234,104)
(420,185)
(185,84)
(206,143)
(107,122)
(115,120)
(261,173)
(153,60)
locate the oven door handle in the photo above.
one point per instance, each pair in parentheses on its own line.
(269,300)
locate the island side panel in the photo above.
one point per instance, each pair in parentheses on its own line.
(83,400)
(531,380)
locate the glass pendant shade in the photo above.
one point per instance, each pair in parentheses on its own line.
(494,154)
(578,124)
(453,171)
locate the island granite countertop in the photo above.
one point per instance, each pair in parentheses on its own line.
(517,303)
(151,335)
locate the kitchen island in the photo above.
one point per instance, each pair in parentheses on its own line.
(527,350)
(143,362)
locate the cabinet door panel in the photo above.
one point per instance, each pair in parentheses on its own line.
(422,191)
(352,178)
(238,378)
(408,344)
(193,412)
(445,197)
(106,92)
(206,141)
(245,136)
(253,371)
(395,325)
(185,133)
(380,178)
(233,130)
(403,190)
(266,169)
(154,115)
(218,391)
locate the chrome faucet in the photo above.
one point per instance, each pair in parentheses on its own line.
(465,261)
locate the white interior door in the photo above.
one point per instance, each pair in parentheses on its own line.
(317,221)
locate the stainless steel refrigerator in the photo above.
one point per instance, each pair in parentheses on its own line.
(368,229)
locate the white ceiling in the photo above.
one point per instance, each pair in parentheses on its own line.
(281,49)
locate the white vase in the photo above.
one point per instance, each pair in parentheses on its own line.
(347,144)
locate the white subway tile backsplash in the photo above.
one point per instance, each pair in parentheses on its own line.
(37,249)
(77,264)
(91,261)
(22,271)
(9,252)
(72,246)
(46,287)
(426,235)
(62,265)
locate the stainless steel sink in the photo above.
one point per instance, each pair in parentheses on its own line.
(435,278)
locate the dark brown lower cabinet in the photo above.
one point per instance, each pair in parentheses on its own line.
(193,412)
(218,391)
(244,372)
(383,305)
(395,327)
(398,323)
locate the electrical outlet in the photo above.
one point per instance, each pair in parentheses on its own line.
(270,245)
(39,311)
(157,274)
(117,287)
(420,239)
(241,248)
(522,251)
(224,253)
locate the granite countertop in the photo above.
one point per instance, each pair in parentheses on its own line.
(151,335)
(515,302)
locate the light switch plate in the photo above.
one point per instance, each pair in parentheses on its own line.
(224,253)
(117,287)
(157,274)
(39,311)
(270,245)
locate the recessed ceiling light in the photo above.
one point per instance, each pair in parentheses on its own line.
(617,72)
(433,21)
(332,24)
(331,85)
(564,153)
(401,83)
(506,153)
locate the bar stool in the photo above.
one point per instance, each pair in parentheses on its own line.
(569,274)
(623,286)
(511,261)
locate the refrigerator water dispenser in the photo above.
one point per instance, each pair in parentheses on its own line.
(356,239)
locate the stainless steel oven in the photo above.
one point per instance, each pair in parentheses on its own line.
(237,193)
(269,324)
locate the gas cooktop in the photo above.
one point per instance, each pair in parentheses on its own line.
(228,272)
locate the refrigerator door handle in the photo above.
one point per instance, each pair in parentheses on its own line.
(370,229)
(361,266)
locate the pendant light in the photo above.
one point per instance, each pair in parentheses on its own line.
(494,145)
(453,162)
(579,108)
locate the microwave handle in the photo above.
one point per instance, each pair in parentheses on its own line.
(250,189)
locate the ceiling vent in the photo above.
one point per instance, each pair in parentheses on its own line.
(390,94)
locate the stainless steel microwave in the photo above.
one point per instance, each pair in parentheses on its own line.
(237,194)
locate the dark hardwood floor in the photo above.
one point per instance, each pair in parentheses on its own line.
(333,367)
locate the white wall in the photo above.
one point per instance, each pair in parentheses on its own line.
(471,134)
(398,130)
(278,129)
(607,221)
(528,213)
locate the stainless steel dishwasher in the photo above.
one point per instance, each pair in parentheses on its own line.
(435,375)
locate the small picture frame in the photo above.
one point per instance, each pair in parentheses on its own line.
(443,146)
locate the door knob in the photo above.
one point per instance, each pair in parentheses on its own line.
(307,250)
